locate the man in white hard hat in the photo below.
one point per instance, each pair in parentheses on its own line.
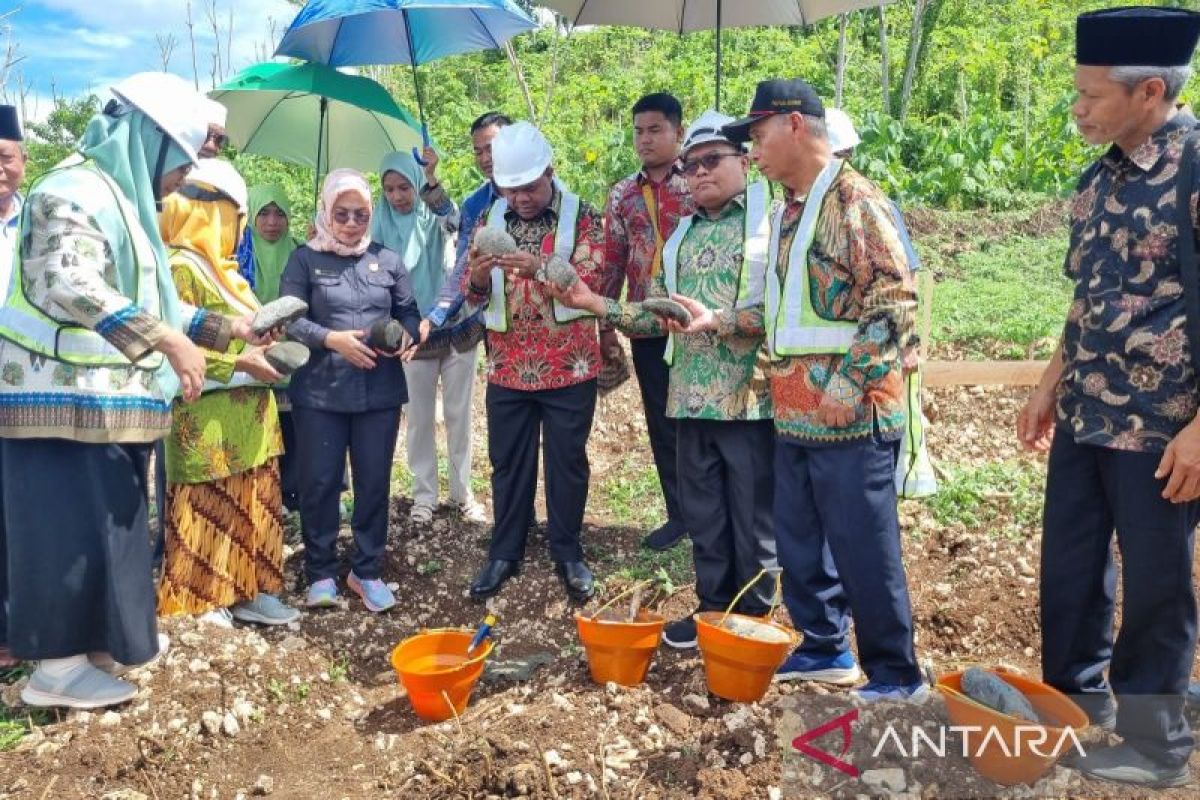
(717,394)
(95,349)
(542,360)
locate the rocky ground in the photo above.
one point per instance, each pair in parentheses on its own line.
(314,711)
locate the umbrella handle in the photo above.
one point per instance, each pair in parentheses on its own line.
(424,137)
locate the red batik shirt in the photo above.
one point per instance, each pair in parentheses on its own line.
(538,353)
(630,243)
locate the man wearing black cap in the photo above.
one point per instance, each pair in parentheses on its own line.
(1117,406)
(12,175)
(840,304)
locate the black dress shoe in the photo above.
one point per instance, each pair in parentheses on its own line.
(577,579)
(665,537)
(492,577)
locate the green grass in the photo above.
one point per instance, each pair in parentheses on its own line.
(1000,498)
(632,496)
(16,724)
(670,569)
(402,479)
(1005,300)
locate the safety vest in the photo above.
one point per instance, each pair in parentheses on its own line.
(496,314)
(755,245)
(794,328)
(35,329)
(203,270)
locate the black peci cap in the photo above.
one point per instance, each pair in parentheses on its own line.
(1136,36)
(777,97)
(10,124)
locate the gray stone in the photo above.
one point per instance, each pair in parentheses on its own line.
(281,311)
(669,309)
(494,242)
(264,785)
(560,272)
(287,357)
(385,335)
(520,669)
(887,780)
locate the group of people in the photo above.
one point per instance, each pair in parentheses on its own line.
(776,405)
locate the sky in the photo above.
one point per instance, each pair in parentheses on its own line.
(73,47)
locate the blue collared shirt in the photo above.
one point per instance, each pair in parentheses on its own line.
(473,210)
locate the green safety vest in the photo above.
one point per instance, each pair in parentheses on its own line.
(755,248)
(496,313)
(794,328)
(34,328)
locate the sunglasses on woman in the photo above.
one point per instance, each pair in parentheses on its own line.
(341,216)
(709,161)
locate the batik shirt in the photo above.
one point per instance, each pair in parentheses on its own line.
(857,271)
(716,374)
(630,243)
(1128,378)
(537,352)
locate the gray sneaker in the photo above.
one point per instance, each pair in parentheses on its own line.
(1123,764)
(265,609)
(83,687)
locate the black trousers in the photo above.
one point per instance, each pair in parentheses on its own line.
(79,574)
(726,489)
(653,376)
(838,536)
(289,463)
(1090,493)
(560,419)
(324,437)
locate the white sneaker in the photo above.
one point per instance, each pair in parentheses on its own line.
(421,514)
(219,617)
(471,510)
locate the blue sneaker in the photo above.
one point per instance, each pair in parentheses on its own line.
(840,670)
(889,693)
(374,593)
(322,594)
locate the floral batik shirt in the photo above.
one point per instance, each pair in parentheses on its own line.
(1128,378)
(635,205)
(857,271)
(537,352)
(715,375)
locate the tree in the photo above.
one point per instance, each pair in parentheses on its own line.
(53,140)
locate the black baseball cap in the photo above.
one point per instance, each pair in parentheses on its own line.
(777,97)
(1136,36)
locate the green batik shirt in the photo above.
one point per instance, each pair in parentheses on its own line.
(719,374)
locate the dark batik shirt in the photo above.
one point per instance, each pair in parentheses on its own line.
(1128,379)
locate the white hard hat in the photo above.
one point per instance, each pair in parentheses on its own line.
(842,135)
(216,112)
(219,174)
(706,129)
(520,154)
(172,103)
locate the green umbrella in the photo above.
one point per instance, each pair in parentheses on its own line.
(313,115)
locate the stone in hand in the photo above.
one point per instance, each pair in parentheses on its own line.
(559,271)
(385,335)
(494,242)
(287,357)
(669,309)
(282,311)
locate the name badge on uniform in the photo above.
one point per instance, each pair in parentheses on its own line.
(373,266)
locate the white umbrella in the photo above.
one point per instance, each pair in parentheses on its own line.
(684,16)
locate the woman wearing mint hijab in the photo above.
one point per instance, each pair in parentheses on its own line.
(416,219)
(93,350)
(262,254)
(267,244)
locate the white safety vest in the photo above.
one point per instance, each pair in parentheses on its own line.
(793,326)
(755,248)
(496,313)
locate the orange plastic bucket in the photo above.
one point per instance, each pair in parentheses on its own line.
(620,650)
(433,667)
(1021,763)
(740,668)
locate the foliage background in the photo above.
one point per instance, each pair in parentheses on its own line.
(988,124)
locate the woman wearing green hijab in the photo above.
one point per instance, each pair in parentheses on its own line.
(267,243)
(95,345)
(264,251)
(416,219)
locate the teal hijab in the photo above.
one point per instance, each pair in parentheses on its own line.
(416,236)
(125,146)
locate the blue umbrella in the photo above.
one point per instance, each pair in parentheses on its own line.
(356,32)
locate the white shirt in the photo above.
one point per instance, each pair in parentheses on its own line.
(8,243)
